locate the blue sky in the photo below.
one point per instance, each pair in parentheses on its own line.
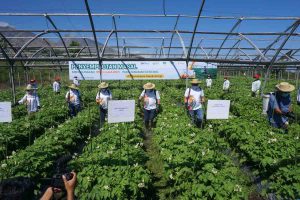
(189,7)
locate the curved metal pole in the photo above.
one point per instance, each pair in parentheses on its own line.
(78,53)
(194,32)
(276,40)
(12,82)
(255,47)
(182,43)
(84,39)
(227,36)
(235,44)
(28,43)
(105,43)
(295,26)
(59,35)
(95,37)
(13,48)
(199,45)
(175,26)
(244,53)
(116,33)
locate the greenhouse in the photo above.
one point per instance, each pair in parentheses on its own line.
(149,99)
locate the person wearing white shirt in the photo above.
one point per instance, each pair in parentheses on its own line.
(56,86)
(76,81)
(31,99)
(193,99)
(151,100)
(208,81)
(102,98)
(255,85)
(226,84)
(73,99)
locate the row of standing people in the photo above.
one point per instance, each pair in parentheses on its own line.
(279,108)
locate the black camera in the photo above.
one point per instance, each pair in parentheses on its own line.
(60,170)
(58,182)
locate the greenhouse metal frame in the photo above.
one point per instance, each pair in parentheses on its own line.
(275,54)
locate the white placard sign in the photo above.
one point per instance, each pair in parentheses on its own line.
(121,111)
(5,112)
(218,109)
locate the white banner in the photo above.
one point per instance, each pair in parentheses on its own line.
(5,112)
(121,111)
(133,70)
(218,109)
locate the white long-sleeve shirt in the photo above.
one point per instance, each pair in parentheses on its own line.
(103,99)
(208,82)
(255,85)
(31,101)
(226,85)
(56,86)
(73,97)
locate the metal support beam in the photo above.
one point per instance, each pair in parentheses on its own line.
(269,66)
(11,71)
(194,32)
(116,33)
(95,36)
(175,27)
(58,33)
(84,39)
(255,47)
(227,36)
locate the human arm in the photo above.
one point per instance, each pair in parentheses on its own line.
(23,100)
(70,186)
(48,194)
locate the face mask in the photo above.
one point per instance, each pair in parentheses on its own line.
(285,94)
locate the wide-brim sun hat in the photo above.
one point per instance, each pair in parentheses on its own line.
(195,81)
(73,86)
(149,86)
(103,85)
(30,87)
(285,87)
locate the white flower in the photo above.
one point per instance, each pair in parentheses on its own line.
(109,152)
(89,179)
(3,165)
(97,147)
(13,152)
(193,135)
(237,188)
(271,133)
(89,137)
(272,140)
(136,165)
(171,177)
(274,161)
(189,125)
(141,144)
(191,142)
(141,185)
(203,152)
(106,187)
(210,126)
(297,138)
(136,146)
(214,171)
